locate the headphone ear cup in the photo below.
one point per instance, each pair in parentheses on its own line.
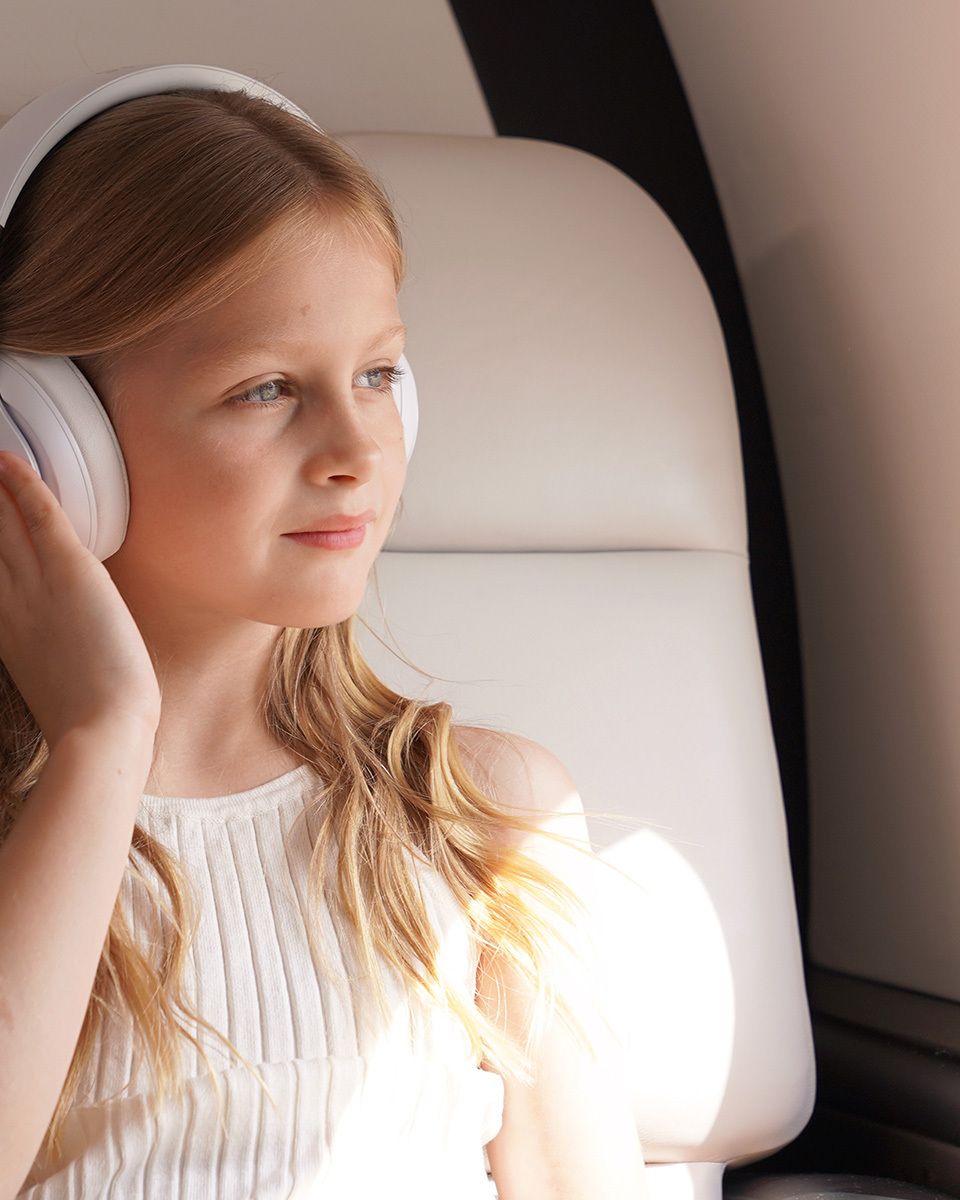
(52,417)
(405,395)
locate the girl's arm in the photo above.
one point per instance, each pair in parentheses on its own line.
(573,1135)
(74,652)
(60,872)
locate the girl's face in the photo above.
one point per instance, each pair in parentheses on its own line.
(268,414)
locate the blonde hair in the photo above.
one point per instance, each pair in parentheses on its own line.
(147,214)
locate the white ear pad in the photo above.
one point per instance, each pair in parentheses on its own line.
(405,395)
(52,417)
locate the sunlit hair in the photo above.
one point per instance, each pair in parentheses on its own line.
(150,213)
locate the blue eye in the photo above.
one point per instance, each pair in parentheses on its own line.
(249,398)
(390,374)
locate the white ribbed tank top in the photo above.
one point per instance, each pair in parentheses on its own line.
(390,1113)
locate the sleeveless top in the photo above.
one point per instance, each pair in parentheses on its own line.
(388,1112)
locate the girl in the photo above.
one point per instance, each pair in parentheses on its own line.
(224,837)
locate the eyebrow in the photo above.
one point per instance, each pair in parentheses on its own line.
(231,355)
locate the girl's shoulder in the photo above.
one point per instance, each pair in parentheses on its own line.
(518,773)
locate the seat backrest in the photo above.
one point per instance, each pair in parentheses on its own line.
(571,561)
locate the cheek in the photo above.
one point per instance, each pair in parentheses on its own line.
(177,488)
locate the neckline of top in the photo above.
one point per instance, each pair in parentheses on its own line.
(263,796)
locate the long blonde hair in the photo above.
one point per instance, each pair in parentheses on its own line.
(143,216)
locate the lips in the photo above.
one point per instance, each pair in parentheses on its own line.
(338,523)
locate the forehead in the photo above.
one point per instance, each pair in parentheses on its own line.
(314,286)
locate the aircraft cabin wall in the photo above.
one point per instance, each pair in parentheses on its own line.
(830,133)
(396,68)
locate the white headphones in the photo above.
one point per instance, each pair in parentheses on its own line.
(49,413)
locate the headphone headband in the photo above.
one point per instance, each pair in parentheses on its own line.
(35,129)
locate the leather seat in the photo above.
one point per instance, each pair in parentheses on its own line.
(571,563)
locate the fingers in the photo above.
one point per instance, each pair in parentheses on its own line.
(16,554)
(29,514)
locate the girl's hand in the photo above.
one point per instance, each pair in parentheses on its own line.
(67,637)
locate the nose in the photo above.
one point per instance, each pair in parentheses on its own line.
(345,433)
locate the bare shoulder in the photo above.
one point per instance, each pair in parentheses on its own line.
(519,774)
(523,772)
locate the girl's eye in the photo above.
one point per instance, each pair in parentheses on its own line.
(270,392)
(389,374)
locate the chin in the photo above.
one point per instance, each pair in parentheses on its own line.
(310,616)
